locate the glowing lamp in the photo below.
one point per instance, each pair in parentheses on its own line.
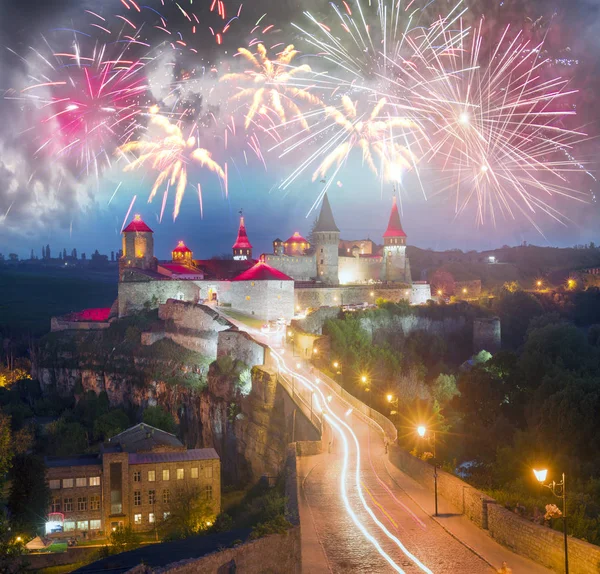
(19,539)
(315,351)
(363,379)
(372,294)
(439,292)
(289,333)
(421,430)
(541,475)
(465,290)
(298,365)
(336,365)
(389,398)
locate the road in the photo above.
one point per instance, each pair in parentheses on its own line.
(361,514)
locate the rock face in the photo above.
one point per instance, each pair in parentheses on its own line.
(250,432)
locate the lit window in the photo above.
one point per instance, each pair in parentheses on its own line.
(151,475)
(82,503)
(81,481)
(208,492)
(70,525)
(54,484)
(166,474)
(55,505)
(180,474)
(137,476)
(94,502)
(94,481)
(82,525)
(95,524)
(252,284)
(151,518)
(68,506)
(194,472)
(137,518)
(166,515)
(247,297)
(166,496)
(152,497)
(208,472)
(137,498)
(67,483)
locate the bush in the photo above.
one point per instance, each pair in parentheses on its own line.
(159,418)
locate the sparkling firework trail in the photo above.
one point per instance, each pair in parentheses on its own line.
(170,153)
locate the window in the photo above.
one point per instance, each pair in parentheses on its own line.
(247,297)
(54,484)
(166,515)
(321,262)
(68,506)
(55,505)
(151,518)
(137,476)
(94,502)
(81,481)
(82,525)
(95,524)
(208,492)
(151,475)
(180,474)
(194,472)
(208,472)
(137,518)
(137,498)
(81,504)
(67,483)
(166,474)
(166,496)
(152,497)
(70,525)
(94,481)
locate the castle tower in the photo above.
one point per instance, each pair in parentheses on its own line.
(138,246)
(278,247)
(395,264)
(182,254)
(326,238)
(242,249)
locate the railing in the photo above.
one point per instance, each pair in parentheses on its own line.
(303,397)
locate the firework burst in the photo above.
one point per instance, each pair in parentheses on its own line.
(169,153)
(271,85)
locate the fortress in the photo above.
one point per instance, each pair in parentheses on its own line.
(295,277)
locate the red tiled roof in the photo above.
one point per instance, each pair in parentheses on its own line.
(262,272)
(178,269)
(138,225)
(182,248)
(90,315)
(242,241)
(394,228)
(296,238)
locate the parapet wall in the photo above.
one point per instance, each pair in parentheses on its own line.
(539,543)
(315,297)
(242,346)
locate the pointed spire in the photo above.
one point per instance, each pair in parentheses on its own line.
(242,241)
(325,222)
(394,228)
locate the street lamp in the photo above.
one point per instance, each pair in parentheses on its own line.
(558,489)
(394,403)
(422,431)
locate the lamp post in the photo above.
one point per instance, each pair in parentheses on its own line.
(422,431)
(395,403)
(558,489)
(365,381)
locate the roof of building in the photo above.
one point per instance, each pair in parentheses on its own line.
(182,248)
(223,269)
(179,269)
(98,314)
(394,228)
(137,225)
(181,456)
(242,241)
(262,272)
(144,437)
(296,238)
(325,221)
(277,240)
(75,460)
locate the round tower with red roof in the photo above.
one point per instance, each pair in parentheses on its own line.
(242,248)
(395,264)
(182,254)
(138,246)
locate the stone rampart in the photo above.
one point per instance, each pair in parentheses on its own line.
(314,297)
(191,316)
(242,346)
(62,324)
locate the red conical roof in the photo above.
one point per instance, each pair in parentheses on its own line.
(262,272)
(297,238)
(137,225)
(394,228)
(182,248)
(242,241)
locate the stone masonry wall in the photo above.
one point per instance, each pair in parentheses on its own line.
(539,543)
(242,346)
(267,300)
(190,316)
(314,297)
(298,267)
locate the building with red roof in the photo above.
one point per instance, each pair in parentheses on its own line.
(295,245)
(394,229)
(182,253)
(262,272)
(138,248)
(242,248)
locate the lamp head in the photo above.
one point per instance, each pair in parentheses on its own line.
(541,475)
(389,398)
(363,379)
(421,430)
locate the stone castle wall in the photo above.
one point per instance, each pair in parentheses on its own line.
(242,346)
(314,297)
(190,316)
(298,267)
(360,269)
(268,300)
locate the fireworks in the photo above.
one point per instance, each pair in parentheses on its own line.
(271,84)
(169,153)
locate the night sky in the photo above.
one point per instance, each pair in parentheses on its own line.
(52,198)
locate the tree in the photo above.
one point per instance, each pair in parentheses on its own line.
(29,494)
(516,310)
(65,437)
(444,389)
(159,418)
(48,256)
(11,550)
(6,447)
(190,512)
(110,424)
(124,539)
(13,257)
